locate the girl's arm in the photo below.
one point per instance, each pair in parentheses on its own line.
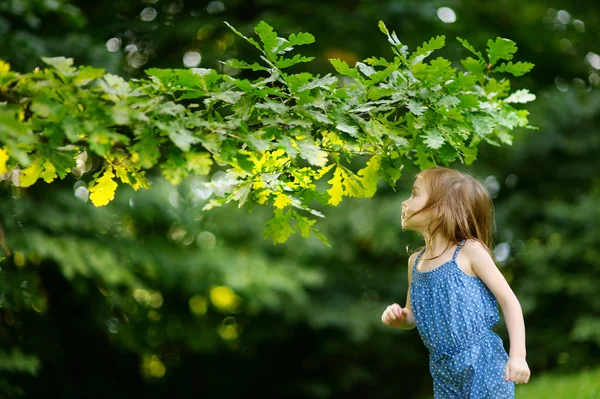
(484,267)
(396,316)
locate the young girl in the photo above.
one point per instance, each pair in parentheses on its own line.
(454,288)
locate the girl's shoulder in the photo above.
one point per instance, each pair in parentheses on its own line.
(413,256)
(475,249)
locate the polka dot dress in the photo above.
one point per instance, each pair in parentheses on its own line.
(454,313)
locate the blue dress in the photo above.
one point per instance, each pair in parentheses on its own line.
(454,314)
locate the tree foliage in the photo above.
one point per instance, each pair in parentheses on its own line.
(273,139)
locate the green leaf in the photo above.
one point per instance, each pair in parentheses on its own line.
(391,170)
(374,61)
(312,153)
(299,39)
(416,108)
(518,69)
(288,62)
(475,67)
(399,49)
(248,39)
(279,227)
(469,101)
(500,88)
(469,47)
(244,65)
(500,49)
(87,74)
(323,82)
(434,138)
(147,149)
(304,224)
(520,96)
(182,138)
(448,101)
(64,66)
(175,168)
(269,39)
(383,28)
(343,69)
(425,51)
(483,125)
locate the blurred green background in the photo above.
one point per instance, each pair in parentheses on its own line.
(151,297)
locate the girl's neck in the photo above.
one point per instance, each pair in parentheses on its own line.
(436,245)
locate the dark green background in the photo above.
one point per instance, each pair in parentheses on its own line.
(310,314)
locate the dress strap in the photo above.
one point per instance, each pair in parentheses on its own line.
(460,245)
(418,258)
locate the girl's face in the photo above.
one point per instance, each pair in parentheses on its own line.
(414,203)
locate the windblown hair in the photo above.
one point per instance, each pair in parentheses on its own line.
(461,206)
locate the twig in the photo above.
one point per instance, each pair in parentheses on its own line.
(3,241)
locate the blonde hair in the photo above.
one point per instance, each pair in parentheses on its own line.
(461,206)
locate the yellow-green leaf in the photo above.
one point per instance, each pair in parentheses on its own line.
(369,176)
(282,200)
(279,228)
(49,173)
(304,224)
(29,176)
(336,190)
(104,190)
(3,159)
(198,163)
(352,185)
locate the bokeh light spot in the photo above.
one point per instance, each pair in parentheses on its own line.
(593,60)
(215,7)
(502,252)
(148,14)
(152,366)
(492,186)
(206,240)
(228,330)
(561,83)
(82,193)
(192,58)
(579,25)
(198,305)
(113,44)
(446,14)
(224,298)
(563,17)
(19,258)
(142,296)
(156,300)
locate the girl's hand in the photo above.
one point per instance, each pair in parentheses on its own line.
(395,316)
(517,370)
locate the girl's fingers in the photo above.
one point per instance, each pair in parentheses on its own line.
(507,372)
(518,377)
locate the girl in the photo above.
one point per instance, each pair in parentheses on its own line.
(454,288)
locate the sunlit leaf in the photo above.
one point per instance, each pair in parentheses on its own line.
(520,96)
(104,190)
